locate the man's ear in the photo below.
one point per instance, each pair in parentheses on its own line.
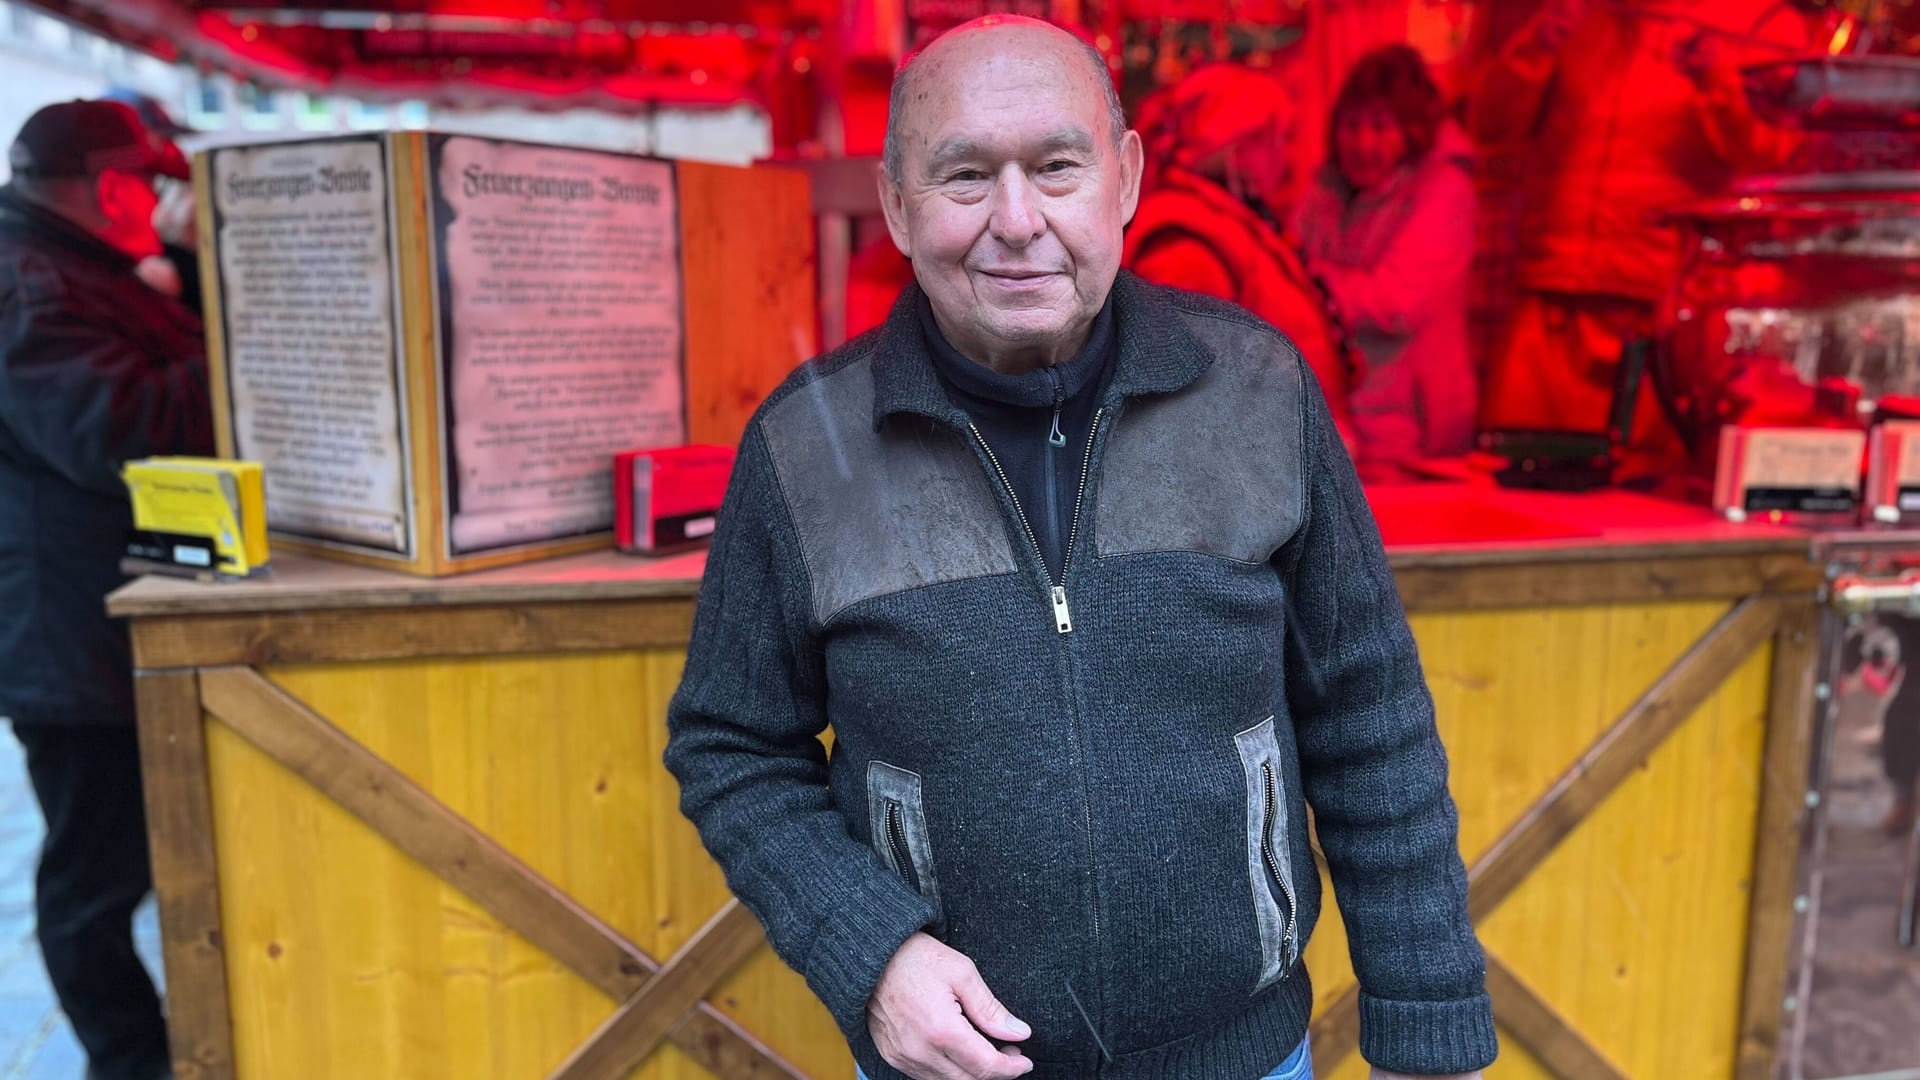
(112,194)
(106,192)
(1133,164)
(893,203)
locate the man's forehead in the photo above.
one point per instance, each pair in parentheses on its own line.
(966,96)
(995,53)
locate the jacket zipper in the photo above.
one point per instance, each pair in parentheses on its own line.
(1055,437)
(1079,500)
(1057,590)
(1055,441)
(1063,622)
(1273,860)
(897,840)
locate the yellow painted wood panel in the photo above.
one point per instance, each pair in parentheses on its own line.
(347,958)
(1634,928)
(557,758)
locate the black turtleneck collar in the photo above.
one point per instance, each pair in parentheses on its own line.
(1035,389)
(1153,353)
(1038,426)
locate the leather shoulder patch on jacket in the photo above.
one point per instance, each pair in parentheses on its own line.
(1215,468)
(879,512)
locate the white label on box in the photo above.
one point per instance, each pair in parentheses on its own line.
(1789,470)
(192,556)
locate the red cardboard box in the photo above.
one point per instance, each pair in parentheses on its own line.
(1893,472)
(669,498)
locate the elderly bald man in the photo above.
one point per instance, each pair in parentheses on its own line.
(1078,572)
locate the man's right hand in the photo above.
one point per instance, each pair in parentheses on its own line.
(933,1018)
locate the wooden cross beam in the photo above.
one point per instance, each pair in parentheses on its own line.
(1546,1034)
(1607,764)
(629,1036)
(659,1003)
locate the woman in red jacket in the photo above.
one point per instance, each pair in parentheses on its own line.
(1387,228)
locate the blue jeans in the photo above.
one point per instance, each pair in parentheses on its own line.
(1297,1067)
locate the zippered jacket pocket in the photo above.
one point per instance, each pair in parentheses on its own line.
(899,828)
(1269,853)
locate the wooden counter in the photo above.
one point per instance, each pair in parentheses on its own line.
(415,828)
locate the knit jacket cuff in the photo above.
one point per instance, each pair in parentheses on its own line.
(862,931)
(1428,1038)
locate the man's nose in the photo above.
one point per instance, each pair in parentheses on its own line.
(1017,219)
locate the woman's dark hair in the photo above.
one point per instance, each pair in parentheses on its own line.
(1395,76)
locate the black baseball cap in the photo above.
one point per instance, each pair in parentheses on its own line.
(152,113)
(83,138)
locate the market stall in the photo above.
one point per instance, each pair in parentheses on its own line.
(408,809)
(412,827)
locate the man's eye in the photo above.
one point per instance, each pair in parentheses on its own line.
(1056,166)
(967,175)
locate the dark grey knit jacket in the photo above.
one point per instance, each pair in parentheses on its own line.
(1095,787)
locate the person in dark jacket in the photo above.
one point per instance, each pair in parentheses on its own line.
(1080,575)
(96,368)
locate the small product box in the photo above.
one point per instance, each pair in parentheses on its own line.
(1893,472)
(198,517)
(668,499)
(1779,474)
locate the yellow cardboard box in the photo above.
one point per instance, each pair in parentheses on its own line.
(199,513)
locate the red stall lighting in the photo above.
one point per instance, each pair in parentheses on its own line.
(544,53)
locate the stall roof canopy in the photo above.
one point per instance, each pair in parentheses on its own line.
(567,52)
(603,53)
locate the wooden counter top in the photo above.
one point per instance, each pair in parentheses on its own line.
(1434,525)
(302,582)
(1426,526)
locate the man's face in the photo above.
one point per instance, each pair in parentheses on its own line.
(1012,195)
(127,202)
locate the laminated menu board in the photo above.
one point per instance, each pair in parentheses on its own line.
(435,344)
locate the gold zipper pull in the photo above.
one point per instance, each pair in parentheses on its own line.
(1062,618)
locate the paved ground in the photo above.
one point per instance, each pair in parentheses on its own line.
(35,1042)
